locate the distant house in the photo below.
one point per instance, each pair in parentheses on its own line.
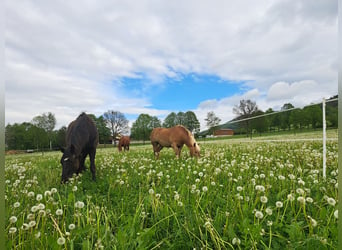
(223,132)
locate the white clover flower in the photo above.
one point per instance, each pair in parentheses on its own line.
(176,197)
(259,215)
(204,188)
(72,226)
(16,204)
(61,241)
(239,188)
(269,223)
(263,199)
(12,230)
(13,219)
(331,201)
(122,182)
(200,174)
(74,188)
(151,191)
(59,212)
(279,204)
(180,204)
(213,183)
(53,190)
(336,214)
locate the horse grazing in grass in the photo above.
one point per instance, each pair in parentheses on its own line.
(81,140)
(124,142)
(174,137)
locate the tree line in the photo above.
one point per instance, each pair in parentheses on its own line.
(40,133)
(288,118)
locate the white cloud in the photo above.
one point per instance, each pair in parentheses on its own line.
(65,59)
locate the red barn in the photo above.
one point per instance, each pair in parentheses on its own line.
(223,132)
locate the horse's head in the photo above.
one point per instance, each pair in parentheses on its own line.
(70,163)
(195,150)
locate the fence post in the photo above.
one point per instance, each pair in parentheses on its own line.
(324,140)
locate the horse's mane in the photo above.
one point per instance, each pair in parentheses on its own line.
(188,132)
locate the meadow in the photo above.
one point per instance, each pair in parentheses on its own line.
(241,194)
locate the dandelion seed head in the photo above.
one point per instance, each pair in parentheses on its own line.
(13,219)
(12,230)
(263,199)
(259,215)
(279,204)
(269,211)
(331,201)
(336,214)
(59,212)
(61,241)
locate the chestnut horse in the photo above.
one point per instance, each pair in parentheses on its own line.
(174,137)
(124,142)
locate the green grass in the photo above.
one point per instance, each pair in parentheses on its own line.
(236,196)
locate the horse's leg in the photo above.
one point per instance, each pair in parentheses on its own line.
(92,154)
(176,149)
(82,160)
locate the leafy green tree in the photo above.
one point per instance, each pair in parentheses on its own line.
(142,127)
(155,122)
(260,123)
(285,116)
(180,118)
(191,122)
(47,122)
(60,137)
(296,118)
(313,116)
(170,120)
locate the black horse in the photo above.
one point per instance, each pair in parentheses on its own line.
(81,139)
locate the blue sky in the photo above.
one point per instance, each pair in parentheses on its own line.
(158,57)
(181,93)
